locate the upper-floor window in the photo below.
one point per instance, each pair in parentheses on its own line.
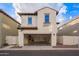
(30,20)
(46,18)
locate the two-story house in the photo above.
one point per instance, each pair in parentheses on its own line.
(38,28)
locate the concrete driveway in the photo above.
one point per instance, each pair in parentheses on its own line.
(37,48)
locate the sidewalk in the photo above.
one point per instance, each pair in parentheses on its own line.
(37,48)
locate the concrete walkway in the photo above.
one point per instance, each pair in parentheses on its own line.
(37,48)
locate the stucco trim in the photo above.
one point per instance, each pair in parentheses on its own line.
(49,8)
(27,28)
(28,13)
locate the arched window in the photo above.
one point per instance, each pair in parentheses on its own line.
(46,18)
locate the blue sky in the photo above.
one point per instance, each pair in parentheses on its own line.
(9,9)
(71,10)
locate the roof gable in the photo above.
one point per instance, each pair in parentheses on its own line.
(47,7)
(35,13)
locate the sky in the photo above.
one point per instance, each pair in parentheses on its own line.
(8,8)
(67,11)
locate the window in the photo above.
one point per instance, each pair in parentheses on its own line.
(30,20)
(46,18)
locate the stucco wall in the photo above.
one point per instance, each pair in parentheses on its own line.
(0,32)
(24,21)
(8,27)
(38,21)
(52,19)
(69,40)
(11,40)
(11,28)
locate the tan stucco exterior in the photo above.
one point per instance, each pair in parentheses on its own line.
(8,27)
(38,21)
(24,21)
(68,40)
(66,32)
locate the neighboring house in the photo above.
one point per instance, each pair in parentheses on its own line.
(68,33)
(8,29)
(38,28)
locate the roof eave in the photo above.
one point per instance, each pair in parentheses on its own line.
(35,13)
(8,16)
